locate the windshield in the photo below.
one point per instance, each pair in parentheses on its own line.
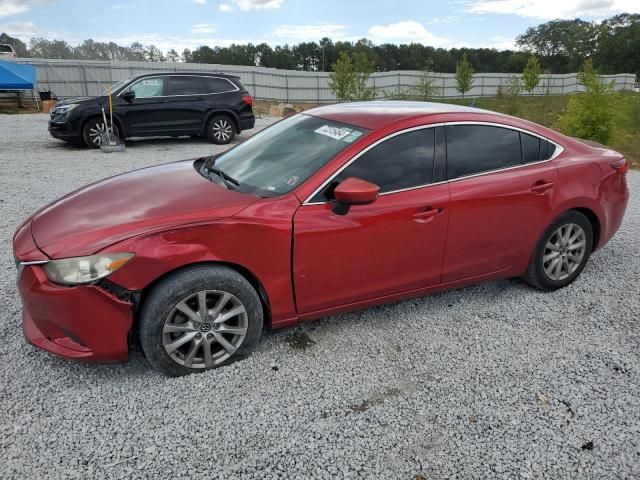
(281,157)
(117,86)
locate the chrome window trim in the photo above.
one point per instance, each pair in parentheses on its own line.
(235,87)
(559,150)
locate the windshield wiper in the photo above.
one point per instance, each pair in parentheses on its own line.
(227,179)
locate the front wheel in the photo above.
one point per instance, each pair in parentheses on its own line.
(220,130)
(561,253)
(93,131)
(200,318)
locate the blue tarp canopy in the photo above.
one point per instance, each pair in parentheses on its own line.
(16,76)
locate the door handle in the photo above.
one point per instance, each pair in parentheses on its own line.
(541,186)
(427,214)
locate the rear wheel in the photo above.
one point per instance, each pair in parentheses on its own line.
(221,130)
(198,319)
(93,131)
(561,253)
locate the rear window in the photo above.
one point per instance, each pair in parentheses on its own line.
(6,49)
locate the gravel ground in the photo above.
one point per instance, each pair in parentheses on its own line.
(493,381)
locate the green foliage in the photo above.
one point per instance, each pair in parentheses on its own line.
(464,75)
(513,90)
(350,76)
(531,75)
(426,87)
(589,115)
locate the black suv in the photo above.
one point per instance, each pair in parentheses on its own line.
(159,104)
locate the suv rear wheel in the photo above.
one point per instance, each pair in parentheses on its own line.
(221,130)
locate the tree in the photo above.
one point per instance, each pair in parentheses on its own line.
(589,115)
(349,78)
(18,45)
(531,75)
(464,75)
(563,45)
(426,87)
(342,78)
(173,56)
(363,71)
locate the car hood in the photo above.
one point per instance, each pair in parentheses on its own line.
(152,199)
(75,100)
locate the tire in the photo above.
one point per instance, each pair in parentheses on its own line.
(543,271)
(221,130)
(93,127)
(175,336)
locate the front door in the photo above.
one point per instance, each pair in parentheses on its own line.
(393,245)
(146,113)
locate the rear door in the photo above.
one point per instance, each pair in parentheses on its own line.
(187,103)
(145,114)
(502,192)
(392,245)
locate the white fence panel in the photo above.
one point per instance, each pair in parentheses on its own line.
(72,78)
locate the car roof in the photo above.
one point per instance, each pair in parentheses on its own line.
(378,113)
(199,74)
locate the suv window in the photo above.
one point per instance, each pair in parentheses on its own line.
(217,85)
(185,85)
(6,49)
(149,87)
(535,149)
(403,161)
(480,148)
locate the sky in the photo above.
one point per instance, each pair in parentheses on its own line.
(183,24)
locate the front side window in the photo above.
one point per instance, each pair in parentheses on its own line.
(281,157)
(401,162)
(184,85)
(480,148)
(149,87)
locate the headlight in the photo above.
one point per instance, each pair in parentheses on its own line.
(65,108)
(79,270)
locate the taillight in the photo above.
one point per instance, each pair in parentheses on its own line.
(248,100)
(620,166)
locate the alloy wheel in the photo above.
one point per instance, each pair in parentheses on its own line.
(222,130)
(205,329)
(564,251)
(97,131)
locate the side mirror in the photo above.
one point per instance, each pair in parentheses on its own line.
(355,191)
(129,95)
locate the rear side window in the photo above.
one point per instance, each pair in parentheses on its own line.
(536,149)
(547,149)
(184,85)
(480,148)
(404,161)
(530,148)
(6,48)
(217,85)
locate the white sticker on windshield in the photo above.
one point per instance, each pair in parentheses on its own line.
(336,133)
(355,134)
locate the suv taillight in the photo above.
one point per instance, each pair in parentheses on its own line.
(248,100)
(620,166)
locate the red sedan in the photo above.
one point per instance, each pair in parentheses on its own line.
(342,207)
